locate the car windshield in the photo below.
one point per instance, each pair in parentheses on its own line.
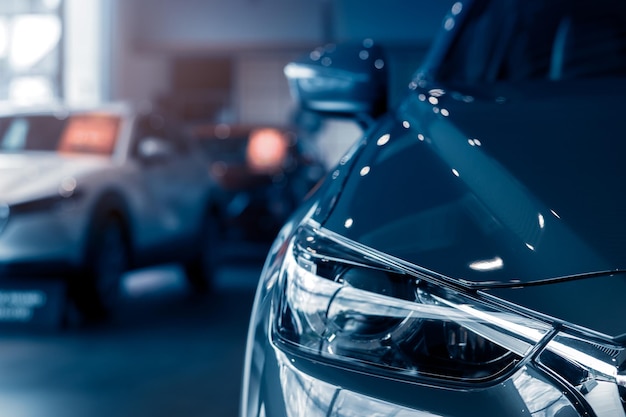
(77,134)
(560,39)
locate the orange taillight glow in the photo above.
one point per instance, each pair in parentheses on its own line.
(267,150)
(95,134)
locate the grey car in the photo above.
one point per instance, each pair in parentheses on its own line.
(89,193)
(467,256)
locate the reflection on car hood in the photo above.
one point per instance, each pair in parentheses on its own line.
(24,176)
(514,186)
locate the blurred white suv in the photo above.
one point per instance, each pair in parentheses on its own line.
(88,194)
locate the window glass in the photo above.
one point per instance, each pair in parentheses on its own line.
(89,133)
(501,41)
(31,38)
(159,127)
(32,133)
(96,134)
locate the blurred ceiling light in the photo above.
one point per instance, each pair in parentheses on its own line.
(33,37)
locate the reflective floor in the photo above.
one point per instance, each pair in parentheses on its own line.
(166,353)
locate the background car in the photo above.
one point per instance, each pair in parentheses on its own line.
(466,256)
(87,194)
(262,173)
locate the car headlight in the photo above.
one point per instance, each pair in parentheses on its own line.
(364,313)
(346,305)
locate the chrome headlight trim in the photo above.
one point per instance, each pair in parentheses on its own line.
(596,370)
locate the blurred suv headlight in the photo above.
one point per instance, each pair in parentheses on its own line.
(346,305)
(55,203)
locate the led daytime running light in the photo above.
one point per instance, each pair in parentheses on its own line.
(373,317)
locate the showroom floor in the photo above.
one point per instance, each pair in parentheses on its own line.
(165,354)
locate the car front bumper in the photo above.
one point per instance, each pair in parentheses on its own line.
(42,243)
(280,384)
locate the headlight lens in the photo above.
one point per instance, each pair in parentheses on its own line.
(344,307)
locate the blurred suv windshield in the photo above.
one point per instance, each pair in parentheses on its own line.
(78,134)
(560,39)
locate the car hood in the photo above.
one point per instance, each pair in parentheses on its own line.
(594,304)
(495,186)
(25,176)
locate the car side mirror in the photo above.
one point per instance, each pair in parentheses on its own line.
(341,79)
(153,149)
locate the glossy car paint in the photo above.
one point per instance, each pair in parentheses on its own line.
(510,194)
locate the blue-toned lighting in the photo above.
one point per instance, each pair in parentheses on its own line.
(457,8)
(449,23)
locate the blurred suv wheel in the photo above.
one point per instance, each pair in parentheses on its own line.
(200,269)
(97,290)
